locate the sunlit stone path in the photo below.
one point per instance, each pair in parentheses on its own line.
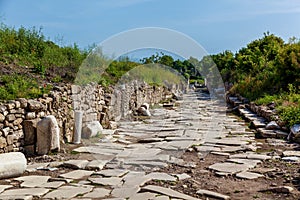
(119,165)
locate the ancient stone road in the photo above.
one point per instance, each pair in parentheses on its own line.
(126,159)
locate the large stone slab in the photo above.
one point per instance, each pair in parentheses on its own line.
(167,191)
(227,167)
(35,192)
(77,174)
(33,181)
(4,187)
(12,164)
(96,164)
(112,172)
(98,193)
(68,192)
(125,192)
(144,195)
(161,176)
(251,155)
(249,175)
(111,181)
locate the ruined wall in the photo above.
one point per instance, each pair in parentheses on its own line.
(18,118)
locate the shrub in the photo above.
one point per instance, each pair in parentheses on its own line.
(18,86)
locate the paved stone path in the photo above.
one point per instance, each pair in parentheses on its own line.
(126,159)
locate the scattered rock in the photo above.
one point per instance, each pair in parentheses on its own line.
(272,125)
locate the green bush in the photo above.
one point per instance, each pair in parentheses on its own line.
(18,86)
(290,114)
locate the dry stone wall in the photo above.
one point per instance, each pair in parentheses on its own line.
(19,118)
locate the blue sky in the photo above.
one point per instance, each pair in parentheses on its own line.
(217,25)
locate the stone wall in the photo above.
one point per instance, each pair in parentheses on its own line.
(18,118)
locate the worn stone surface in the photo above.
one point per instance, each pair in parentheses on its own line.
(68,192)
(35,192)
(125,192)
(111,181)
(77,174)
(113,172)
(33,181)
(98,193)
(161,176)
(229,167)
(249,175)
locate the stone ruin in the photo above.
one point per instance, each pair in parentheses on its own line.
(23,122)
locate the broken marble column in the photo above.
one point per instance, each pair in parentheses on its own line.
(47,135)
(77,127)
(144,110)
(92,129)
(12,164)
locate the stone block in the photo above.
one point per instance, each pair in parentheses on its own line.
(2,117)
(10,105)
(18,121)
(47,135)
(29,150)
(12,164)
(34,105)
(10,139)
(29,128)
(23,102)
(10,117)
(5,131)
(75,89)
(3,142)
